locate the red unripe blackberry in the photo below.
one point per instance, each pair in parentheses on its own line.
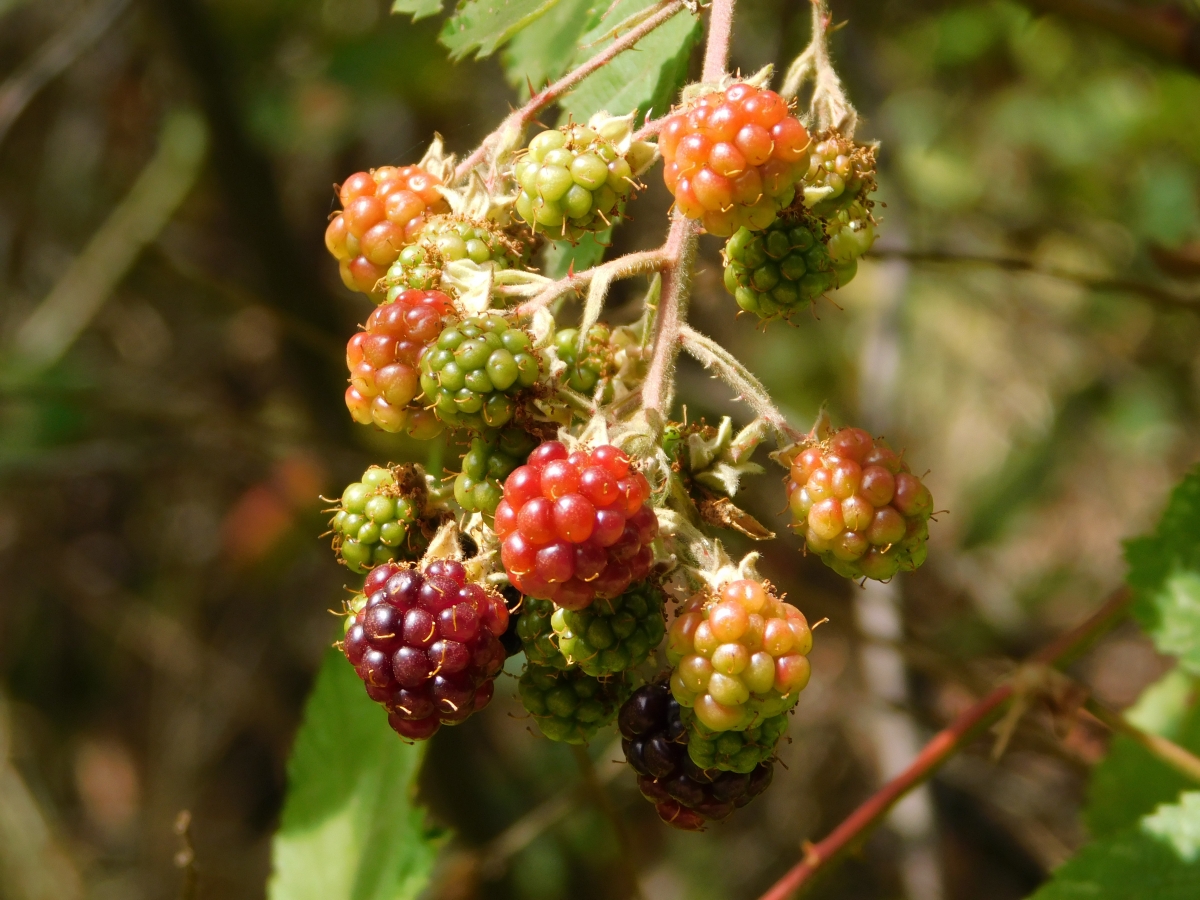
(739,656)
(382,211)
(575,526)
(654,739)
(426,643)
(732,159)
(384,363)
(859,507)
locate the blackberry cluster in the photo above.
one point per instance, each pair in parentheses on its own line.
(735,751)
(784,268)
(471,375)
(860,508)
(446,239)
(383,360)
(479,486)
(739,656)
(612,635)
(568,705)
(575,526)
(733,158)
(655,741)
(573,182)
(377,520)
(537,634)
(586,365)
(382,211)
(426,642)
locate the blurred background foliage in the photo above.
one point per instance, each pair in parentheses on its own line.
(172,335)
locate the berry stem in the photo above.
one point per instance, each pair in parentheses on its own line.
(819,857)
(622,267)
(516,121)
(720,31)
(658,388)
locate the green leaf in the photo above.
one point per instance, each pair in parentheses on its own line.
(645,77)
(562,255)
(481,26)
(1131,781)
(1164,572)
(543,51)
(350,829)
(418,9)
(1157,858)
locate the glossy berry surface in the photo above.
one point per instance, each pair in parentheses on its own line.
(654,739)
(377,519)
(537,634)
(382,211)
(735,751)
(384,358)
(471,375)
(426,643)
(575,526)
(568,705)
(612,634)
(479,487)
(859,507)
(775,272)
(573,181)
(447,239)
(739,656)
(733,157)
(586,365)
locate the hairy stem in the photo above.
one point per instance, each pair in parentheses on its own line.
(672,313)
(819,857)
(621,267)
(518,119)
(720,32)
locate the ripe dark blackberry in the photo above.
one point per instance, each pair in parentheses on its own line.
(776,272)
(382,210)
(587,366)
(739,656)
(612,635)
(575,526)
(733,157)
(384,360)
(472,374)
(379,517)
(568,705)
(479,487)
(654,739)
(537,634)
(446,239)
(861,510)
(735,751)
(426,642)
(574,181)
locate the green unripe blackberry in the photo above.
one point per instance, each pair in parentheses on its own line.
(446,239)
(851,233)
(479,486)
(585,369)
(573,181)
(569,705)
(839,173)
(471,375)
(537,635)
(734,751)
(782,269)
(377,520)
(611,636)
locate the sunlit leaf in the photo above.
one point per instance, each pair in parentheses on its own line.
(482,26)
(543,51)
(418,9)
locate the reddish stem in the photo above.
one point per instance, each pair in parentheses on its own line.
(720,32)
(944,744)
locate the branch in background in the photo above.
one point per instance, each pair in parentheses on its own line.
(947,742)
(1165,31)
(54,57)
(1149,292)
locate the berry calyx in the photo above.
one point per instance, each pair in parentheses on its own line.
(568,705)
(734,751)
(589,365)
(426,643)
(612,634)
(859,507)
(575,526)
(654,739)
(479,486)
(446,239)
(471,376)
(382,211)
(383,517)
(384,358)
(733,157)
(739,655)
